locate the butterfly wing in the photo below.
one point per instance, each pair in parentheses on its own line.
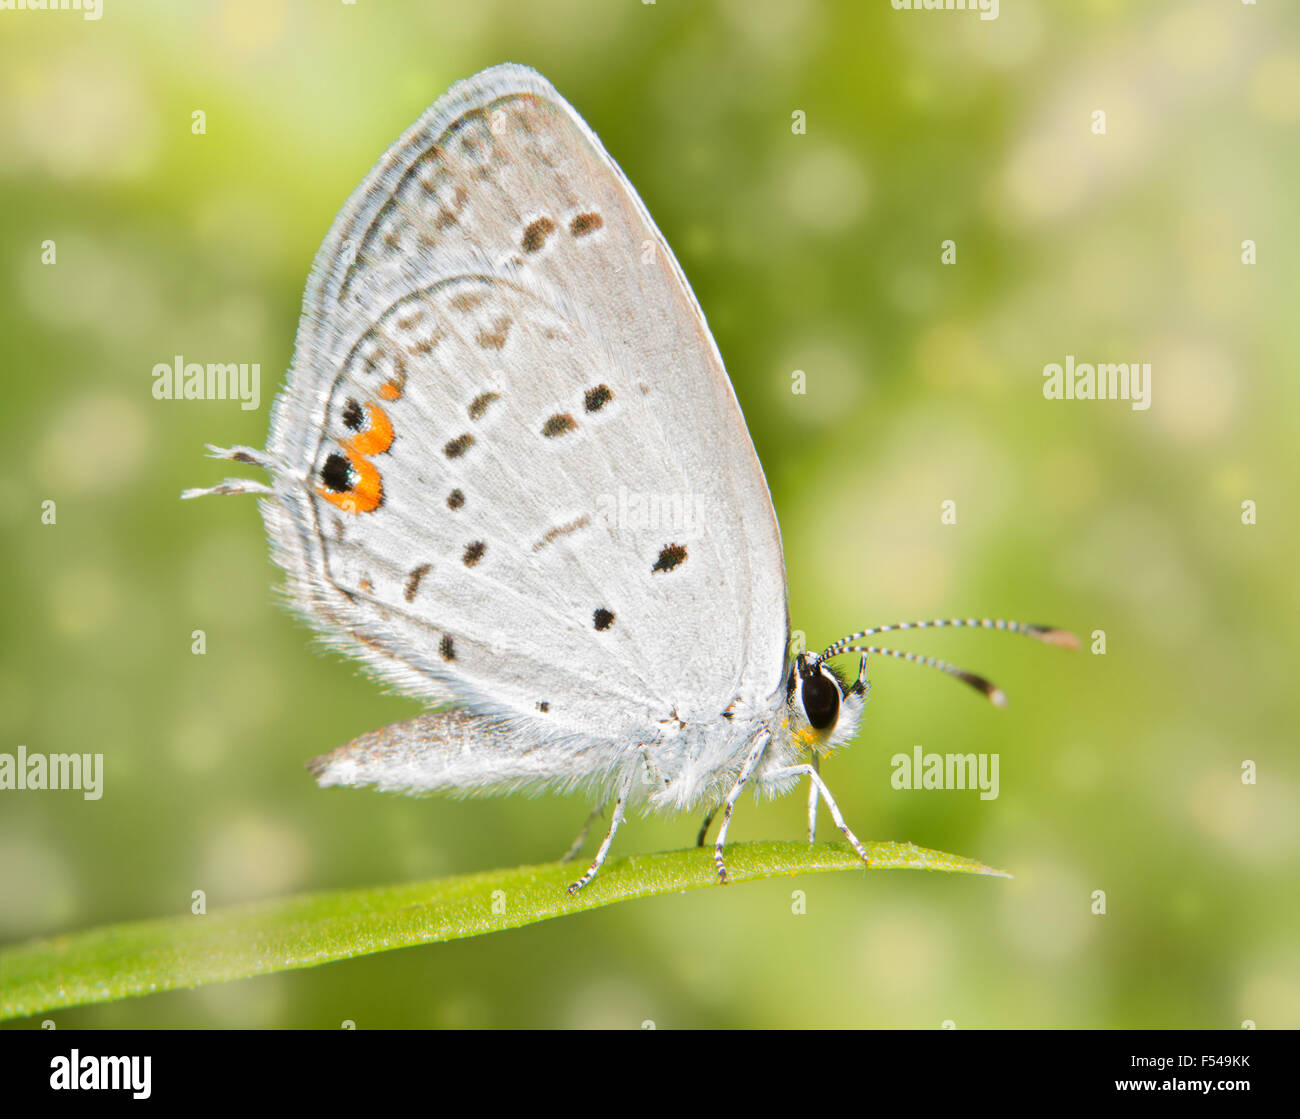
(454,751)
(509,468)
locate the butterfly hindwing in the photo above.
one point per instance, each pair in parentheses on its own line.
(453,751)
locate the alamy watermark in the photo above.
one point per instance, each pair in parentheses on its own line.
(684,512)
(88,1072)
(89,9)
(191,380)
(36,772)
(1104,381)
(988,9)
(919,770)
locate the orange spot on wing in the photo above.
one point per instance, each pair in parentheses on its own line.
(390,390)
(376,438)
(366,494)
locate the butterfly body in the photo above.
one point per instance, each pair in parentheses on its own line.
(682,767)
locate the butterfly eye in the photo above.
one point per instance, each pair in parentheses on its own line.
(821,700)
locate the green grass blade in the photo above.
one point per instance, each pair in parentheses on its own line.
(170,953)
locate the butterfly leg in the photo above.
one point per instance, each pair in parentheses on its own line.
(819,785)
(729,804)
(572,852)
(704,827)
(615,820)
(812,802)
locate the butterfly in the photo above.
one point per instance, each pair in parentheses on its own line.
(508,472)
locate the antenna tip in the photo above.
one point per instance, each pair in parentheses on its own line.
(992,692)
(1062,637)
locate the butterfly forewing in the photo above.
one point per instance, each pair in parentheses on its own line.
(513,463)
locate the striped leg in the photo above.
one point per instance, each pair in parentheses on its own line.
(811,773)
(812,802)
(615,820)
(729,804)
(704,827)
(572,852)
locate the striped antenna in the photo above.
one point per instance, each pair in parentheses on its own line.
(996,695)
(1048,634)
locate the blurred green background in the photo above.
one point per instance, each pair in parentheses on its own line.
(821,252)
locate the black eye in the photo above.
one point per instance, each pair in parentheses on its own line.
(821,701)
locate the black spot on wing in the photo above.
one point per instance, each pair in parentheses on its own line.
(337,473)
(479,404)
(474,552)
(458,446)
(603,618)
(669,558)
(559,424)
(597,398)
(413,581)
(536,233)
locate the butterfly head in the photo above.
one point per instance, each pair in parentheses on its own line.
(823,710)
